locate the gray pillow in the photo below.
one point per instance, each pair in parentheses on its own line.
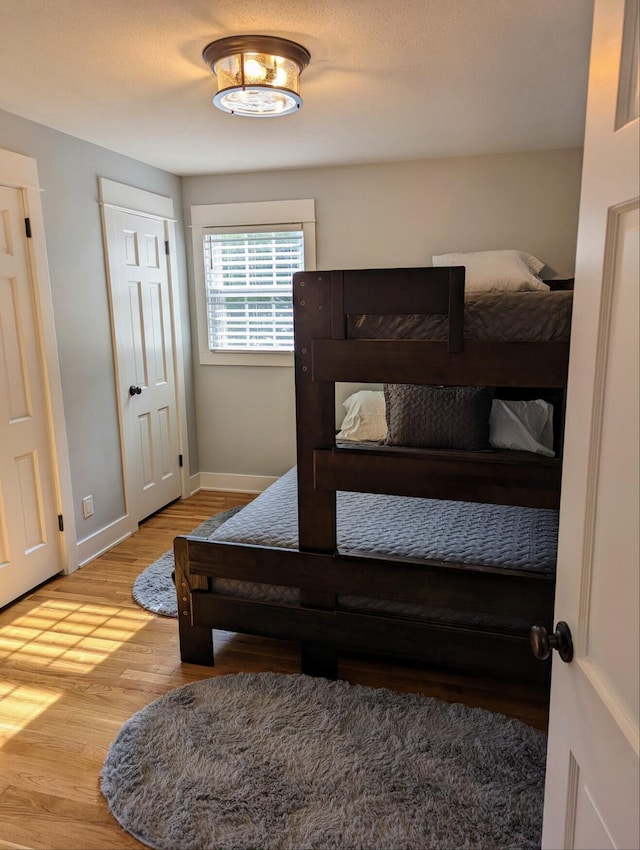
(438,417)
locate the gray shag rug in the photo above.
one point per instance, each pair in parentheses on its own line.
(266,760)
(154,589)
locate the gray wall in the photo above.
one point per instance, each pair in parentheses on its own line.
(378,216)
(241,419)
(69,169)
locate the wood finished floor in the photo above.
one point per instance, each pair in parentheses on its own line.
(78,657)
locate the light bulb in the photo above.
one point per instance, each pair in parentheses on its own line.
(280,78)
(254,70)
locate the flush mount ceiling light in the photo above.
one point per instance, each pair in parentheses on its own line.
(257,75)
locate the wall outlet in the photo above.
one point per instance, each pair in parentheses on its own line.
(87,507)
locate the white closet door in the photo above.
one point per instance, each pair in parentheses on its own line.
(142,323)
(29,552)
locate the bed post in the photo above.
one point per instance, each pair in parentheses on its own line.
(196,642)
(315,429)
(315,411)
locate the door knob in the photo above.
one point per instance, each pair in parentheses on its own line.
(134,390)
(542,642)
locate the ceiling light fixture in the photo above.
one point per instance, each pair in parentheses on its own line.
(257,75)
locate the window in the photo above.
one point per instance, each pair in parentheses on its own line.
(245,256)
(248,287)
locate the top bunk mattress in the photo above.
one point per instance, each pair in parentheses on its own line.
(488,317)
(500,536)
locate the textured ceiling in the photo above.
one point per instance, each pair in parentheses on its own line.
(387,81)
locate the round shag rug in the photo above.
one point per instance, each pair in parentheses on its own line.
(154,589)
(265,760)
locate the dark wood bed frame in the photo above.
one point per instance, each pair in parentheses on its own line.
(324,355)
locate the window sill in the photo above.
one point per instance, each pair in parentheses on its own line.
(247,358)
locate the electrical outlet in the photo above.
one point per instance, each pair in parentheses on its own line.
(87,507)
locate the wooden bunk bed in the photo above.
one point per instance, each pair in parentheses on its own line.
(330,310)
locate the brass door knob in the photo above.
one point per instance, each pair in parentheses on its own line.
(542,642)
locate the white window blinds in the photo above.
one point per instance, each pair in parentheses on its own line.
(248,277)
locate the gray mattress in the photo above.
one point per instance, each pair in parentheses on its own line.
(499,536)
(488,316)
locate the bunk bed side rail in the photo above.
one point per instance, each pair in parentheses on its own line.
(449,647)
(468,476)
(413,361)
(486,590)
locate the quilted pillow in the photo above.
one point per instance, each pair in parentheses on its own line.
(438,417)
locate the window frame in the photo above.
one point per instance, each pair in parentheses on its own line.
(258,213)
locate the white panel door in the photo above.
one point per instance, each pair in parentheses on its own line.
(592,792)
(29,552)
(141,311)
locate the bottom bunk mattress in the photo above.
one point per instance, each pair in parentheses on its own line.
(400,527)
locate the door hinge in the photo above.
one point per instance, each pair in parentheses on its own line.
(27,227)
(60,522)
(166,247)
(180,460)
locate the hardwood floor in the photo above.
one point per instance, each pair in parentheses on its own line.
(78,657)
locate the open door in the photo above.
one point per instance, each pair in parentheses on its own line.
(592,788)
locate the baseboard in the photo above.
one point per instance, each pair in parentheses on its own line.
(235,483)
(194,484)
(96,544)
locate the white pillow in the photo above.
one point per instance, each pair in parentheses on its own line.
(365,419)
(524,425)
(515,271)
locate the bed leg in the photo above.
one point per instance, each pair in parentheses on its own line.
(196,642)
(318,659)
